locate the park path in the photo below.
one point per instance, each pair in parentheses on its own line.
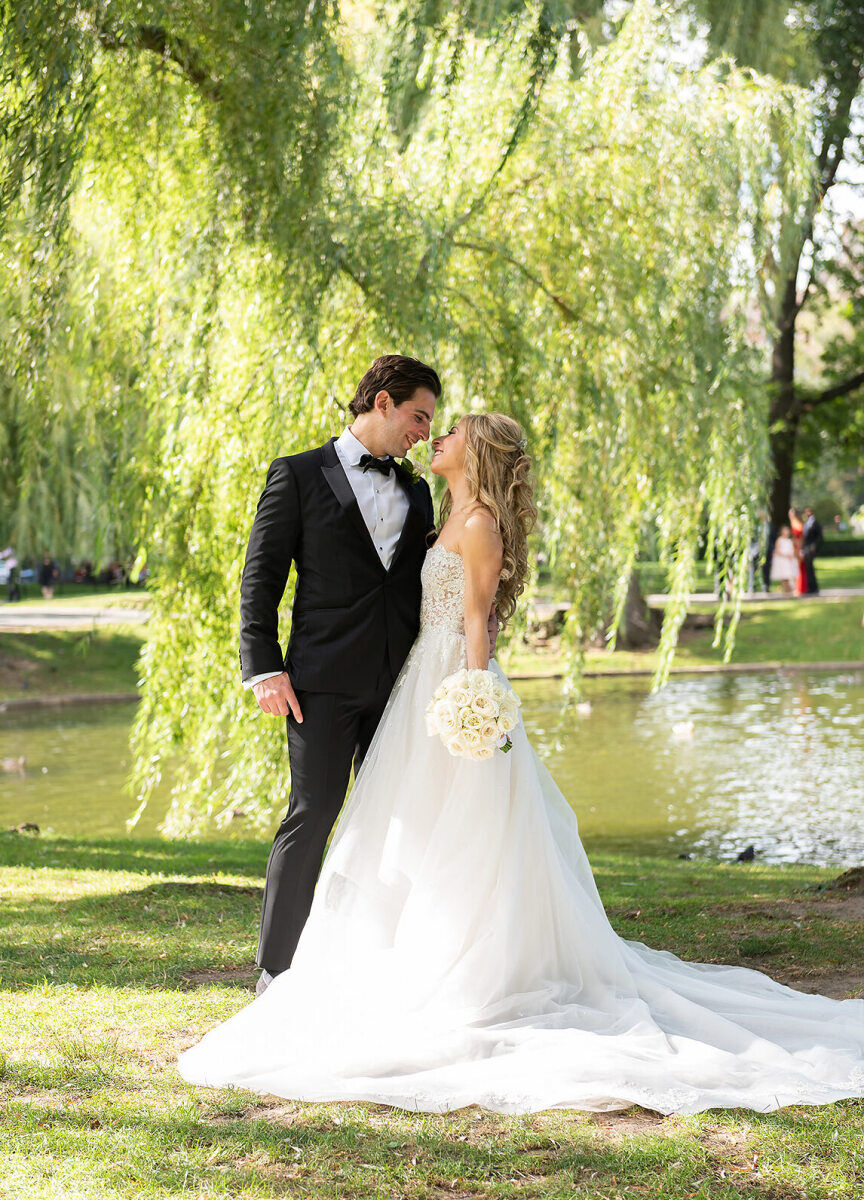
(15,619)
(658,599)
(20,619)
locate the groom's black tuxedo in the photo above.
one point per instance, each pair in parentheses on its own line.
(351,616)
(352,625)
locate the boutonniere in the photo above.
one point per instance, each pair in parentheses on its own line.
(409,470)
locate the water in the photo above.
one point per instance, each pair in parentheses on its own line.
(708,766)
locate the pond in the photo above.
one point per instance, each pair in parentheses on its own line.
(708,766)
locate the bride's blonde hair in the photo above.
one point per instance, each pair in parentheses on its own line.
(498,473)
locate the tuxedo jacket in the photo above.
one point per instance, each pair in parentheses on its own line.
(811,539)
(351,615)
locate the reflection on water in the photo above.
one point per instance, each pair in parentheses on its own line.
(710,765)
(76,762)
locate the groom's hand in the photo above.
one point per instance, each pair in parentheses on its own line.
(276,695)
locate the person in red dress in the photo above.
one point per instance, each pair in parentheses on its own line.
(797,527)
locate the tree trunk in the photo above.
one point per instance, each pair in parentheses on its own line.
(640,625)
(783,415)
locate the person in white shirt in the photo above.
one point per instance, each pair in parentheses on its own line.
(356,524)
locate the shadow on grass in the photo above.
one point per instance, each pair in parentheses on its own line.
(170,935)
(231,1144)
(395,1153)
(149,856)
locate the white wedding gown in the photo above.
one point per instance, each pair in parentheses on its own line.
(457,952)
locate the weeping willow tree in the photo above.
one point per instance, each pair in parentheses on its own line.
(265,199)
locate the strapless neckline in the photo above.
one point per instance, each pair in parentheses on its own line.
(452,553)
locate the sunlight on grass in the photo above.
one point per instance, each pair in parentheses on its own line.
(92,1104)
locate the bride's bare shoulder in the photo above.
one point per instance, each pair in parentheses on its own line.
(479,537)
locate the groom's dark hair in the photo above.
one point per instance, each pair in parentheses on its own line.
(397,374)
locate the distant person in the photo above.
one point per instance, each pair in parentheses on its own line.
(770,538)
(811,543)
(10,560)
(796,524)
(758,553)
(784,561)
(48,573)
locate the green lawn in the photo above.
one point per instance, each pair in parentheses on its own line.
(791,632)
(59,663)
(76,595)
(118,954)
(103,660)
(831,572)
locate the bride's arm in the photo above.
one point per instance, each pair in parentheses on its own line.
(481,546)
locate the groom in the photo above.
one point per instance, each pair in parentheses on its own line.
(356,525)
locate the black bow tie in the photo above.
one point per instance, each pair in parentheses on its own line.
(368,462)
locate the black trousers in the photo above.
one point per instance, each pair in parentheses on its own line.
(810,571)
(334,735)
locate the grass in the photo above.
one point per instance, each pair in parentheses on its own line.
(78,595)
(58,663)
(103,659)
(116,954)
(792,632)
(831,573)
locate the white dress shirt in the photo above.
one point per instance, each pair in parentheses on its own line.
(382,502)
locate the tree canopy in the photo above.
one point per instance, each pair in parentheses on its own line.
(215,217)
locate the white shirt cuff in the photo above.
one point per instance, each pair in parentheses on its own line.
(247,683)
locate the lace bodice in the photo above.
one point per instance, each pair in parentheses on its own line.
(442,607)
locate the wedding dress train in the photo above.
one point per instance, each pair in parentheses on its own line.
(458,952)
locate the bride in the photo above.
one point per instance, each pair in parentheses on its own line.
(457,951)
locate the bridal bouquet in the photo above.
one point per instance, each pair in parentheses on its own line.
(473,712)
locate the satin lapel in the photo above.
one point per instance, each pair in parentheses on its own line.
(341,489)
(415,521)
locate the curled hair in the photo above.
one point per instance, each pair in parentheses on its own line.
(498,473)
(396,374)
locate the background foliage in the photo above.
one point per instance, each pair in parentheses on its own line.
(215,216)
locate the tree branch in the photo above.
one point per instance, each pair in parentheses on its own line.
(167,47)
(563,307)
(808,402)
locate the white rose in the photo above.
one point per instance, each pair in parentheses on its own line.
(457,679)
(471,719)
(489,731)
(506,721)
(456,745)
(485,683)
(485,704)
(483,752)
(511,703)
(471,738)
(461,697)
(447,716)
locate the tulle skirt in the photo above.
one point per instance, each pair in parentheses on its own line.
(457,952)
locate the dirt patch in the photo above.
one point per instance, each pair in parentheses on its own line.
(850,881)
(838,984)
(849,908)
(13,670)
(235,976)
(629,1122)
(266,1109)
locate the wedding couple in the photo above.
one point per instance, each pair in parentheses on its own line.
(455,950)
